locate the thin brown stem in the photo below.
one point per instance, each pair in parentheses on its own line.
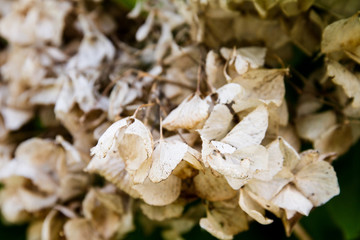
(301,233)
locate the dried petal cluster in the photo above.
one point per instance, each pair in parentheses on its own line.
(106,113)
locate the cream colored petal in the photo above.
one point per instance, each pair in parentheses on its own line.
(336,139)
(166,156)
(236,97)
(252,208)
(318,182)
(46,160)
(80,229)
(110,167)
(173,210)
(190,114)
(291,157)
(311,126)
(135,12)
(33,202)
(94,48)
(211,187)
(42,180)
(160,194)
(242,164)
(268,189)
(348,40)
(255,56)
(136,146)
(236,183)
(289,134)
(230,92)
(143,171)
(52,225)
(218,123)
(192,156)
(241,64)
(121,95)
(291,199)
(250,130)
(144,30)
(72,185)
(12,208)
(15,118)
(184,170)
(224,221)
(307,157)
(106,140)
(265,204)
(103,209)
(213,229)
(223,148)
(213,67)
(76,160)
(264,84)
(33,232)
(126,144)
(275,161)
(278,115)
(347,80)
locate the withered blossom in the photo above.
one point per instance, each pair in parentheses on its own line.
(174,112)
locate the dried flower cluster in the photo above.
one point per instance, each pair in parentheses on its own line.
(104,115)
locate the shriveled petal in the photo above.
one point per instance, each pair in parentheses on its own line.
(94,48)
(164,212)
(291,199)
(275,161)
(33,202)
(291,157)
(311,126)
(348,40)
(347,80)
(166,156)
(160,194)
(255,56)
(34,230)
(268,189)
(241,164)
(336,139)
(224,220)
(251,130)
(136,145)
(79,229)
(318,182)
(190,114)
(211,187)
(15,118)
(218,123)
(214,229)
(213,69)
(252,208)
(42,180)
(264,84)
(104,210)
(52,225)
(265,204)
(46,159)
(144,30)
(126,144)
(72,185)
(12,208)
